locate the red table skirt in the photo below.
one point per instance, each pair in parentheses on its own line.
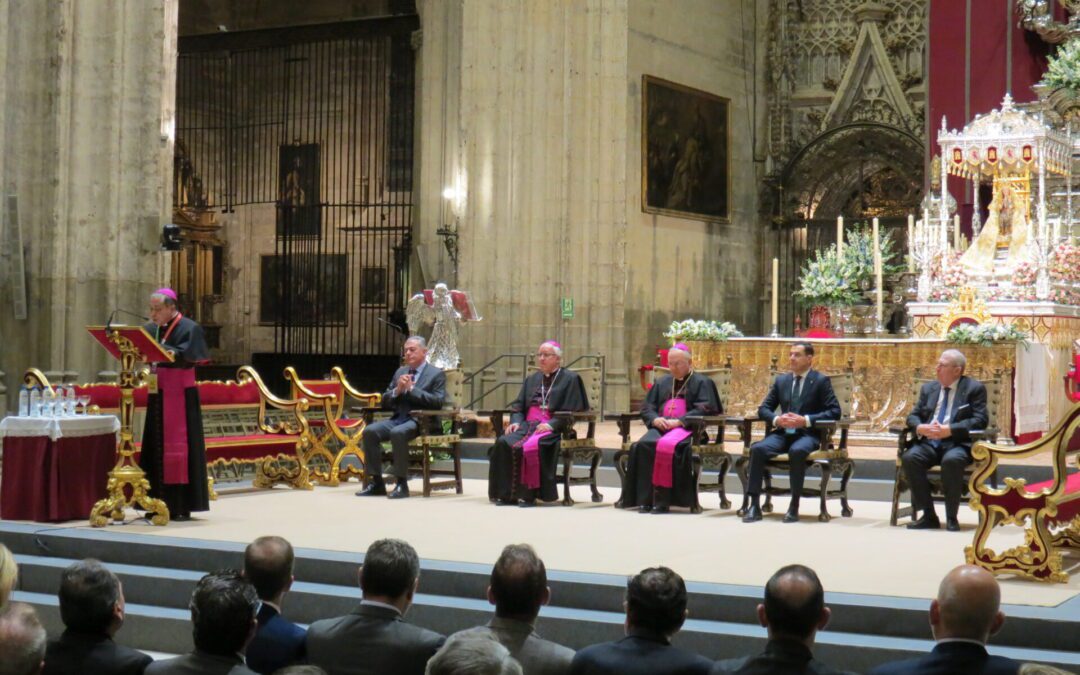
(59,480)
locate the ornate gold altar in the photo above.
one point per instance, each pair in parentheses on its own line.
(884,369)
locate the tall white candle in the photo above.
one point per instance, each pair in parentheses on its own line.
(775,291)
(956,232)
(839,236)
(877,278)
(926,225)
(911,243)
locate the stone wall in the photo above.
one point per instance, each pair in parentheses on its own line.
(86,107)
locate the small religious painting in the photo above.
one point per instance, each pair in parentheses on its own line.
(685,151)
(306,289)
(373,287)
(298,212)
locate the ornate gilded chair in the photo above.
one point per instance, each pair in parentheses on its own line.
(331,428)
(439,439)
(831,457)
(706,453)
(906,439)
(573,447)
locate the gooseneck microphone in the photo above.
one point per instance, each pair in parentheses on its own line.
(112,315)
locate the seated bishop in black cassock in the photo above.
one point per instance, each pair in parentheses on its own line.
(534,432)
(660,470)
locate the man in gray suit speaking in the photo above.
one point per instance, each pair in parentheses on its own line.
(375,638)
(417,385)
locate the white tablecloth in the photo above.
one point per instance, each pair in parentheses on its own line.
(59,427)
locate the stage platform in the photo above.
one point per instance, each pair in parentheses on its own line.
(878,578)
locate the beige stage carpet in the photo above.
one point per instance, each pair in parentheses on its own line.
(861,554)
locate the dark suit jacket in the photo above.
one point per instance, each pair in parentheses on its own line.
(278,643)
(638,655)
(968,410)
(372,640)
(781,657)
(428,393)
(200,663)
(567,394)
(77,653)
(949,658)
(817,402)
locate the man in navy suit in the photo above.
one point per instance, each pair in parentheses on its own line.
(947,411)
(417,385)
(655,611)
(966,612)
(268,565)
(805,396)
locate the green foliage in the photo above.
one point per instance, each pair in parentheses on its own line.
(985,334)
(697,329)
(827,280)
(859,253)
(1063,71)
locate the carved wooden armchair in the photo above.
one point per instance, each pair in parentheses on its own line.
(707,446)
(573,448)
(1037,508)
(439,439)
(336,436)
(831,457)
(906,438)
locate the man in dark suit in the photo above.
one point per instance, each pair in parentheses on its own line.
(947,411)
(518,589)
(92,609)
(805,396)
(375,638)
(966,612)
(417,385)
(655,610)
(793,612)
(268,565)
(224,607)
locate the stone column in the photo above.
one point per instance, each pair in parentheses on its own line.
(522,106)
(87,108)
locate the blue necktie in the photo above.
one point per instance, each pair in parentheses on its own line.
(796,401)
(944,407)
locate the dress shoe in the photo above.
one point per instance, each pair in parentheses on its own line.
(752,514)
(645,508)
(791,517)
(505,502)
(373,490)
(180,517)
(661,508)
(952,524)
(925,523)
(527,503)
(401,491)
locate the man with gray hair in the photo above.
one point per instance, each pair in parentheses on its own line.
(473,653)
(948,410)
(417,385)
(22,640)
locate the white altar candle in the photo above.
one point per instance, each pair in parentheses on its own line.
(839,236)
(877,277)
(926,225)
(956,232)
(775,291)
(911,243)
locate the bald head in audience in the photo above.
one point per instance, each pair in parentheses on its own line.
(968,605)
(22,640)
(794,606)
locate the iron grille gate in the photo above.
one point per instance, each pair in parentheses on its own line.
(311,128)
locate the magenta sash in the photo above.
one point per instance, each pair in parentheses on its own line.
(665,447)
(173,384)
(530,450)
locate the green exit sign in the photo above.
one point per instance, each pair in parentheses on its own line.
(567,307)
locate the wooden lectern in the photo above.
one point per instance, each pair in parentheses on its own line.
(129,345)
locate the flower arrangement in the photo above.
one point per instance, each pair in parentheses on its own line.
(828,280)
(1065,263)
(1024,274)
(1063,71)
(985,334)
(696,329)
(859,254)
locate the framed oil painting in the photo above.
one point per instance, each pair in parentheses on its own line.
(306,289)
(298,212)
(685,151)
(373,287)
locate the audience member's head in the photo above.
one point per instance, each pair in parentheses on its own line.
(518,583)
(223,610)
(390,571)
(302,669)
(9,574)
(655,602)
(91,599)
(1040,669)
(22,640)
(794,604)
(472,653)
(268,565)
(968,605)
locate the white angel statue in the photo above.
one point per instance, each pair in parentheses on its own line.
(446,309)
